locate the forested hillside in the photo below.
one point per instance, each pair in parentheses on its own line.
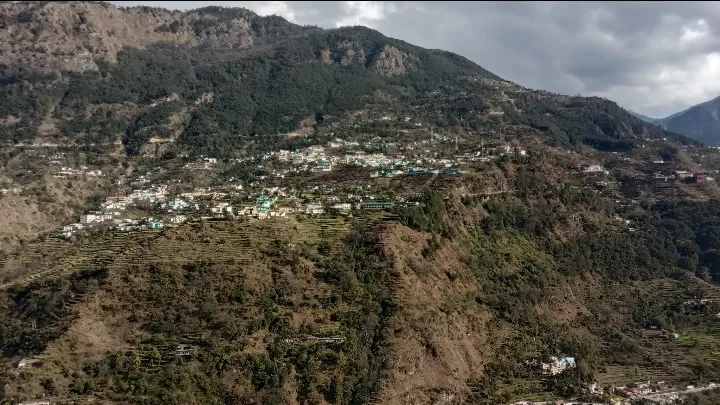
(213,207)
(227,98)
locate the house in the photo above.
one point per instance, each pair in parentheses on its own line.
(314,209)
(155,224)
(114,205)
(418,171)
(590,169)
(664,177)
(178,219)
(264,203)
(698,176)
(557,365)
(27,363)
(342,206)
(683,174)
(182,350)
(92,218)
(322,166)
(220,208)
(177,204)
(283,155)
(286,210)
(376,205)
(88,219)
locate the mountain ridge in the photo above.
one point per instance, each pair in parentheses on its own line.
(700,122)
(272,73)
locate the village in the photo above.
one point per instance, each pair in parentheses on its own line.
(649,392)
(154,206)
(272,193)
(658,392)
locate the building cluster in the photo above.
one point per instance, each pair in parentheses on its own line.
(155,207)
(662,180)
(66,172)
(637,390)
(319,158)
(557,365)
(591,168)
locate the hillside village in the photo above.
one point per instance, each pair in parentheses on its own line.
(272,193)
(257,199)
(267,213)
(343,171)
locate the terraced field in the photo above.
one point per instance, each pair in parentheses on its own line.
(233,242)
(670,358)
(55,257)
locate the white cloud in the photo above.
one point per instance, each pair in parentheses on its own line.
(699,31)
(274,7)
(367,13)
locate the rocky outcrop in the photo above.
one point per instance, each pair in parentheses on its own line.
(231,35)
(392,62)
(50,36)
(351,52)
(345,53)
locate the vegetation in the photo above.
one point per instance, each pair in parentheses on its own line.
(36,314)
(309,309)
(220,314)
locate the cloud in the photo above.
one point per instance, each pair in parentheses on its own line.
(366,13)
(653,58)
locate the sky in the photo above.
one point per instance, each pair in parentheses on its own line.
(654,58)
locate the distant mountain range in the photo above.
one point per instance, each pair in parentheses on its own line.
(700,122)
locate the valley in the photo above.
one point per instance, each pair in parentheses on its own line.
(225,208)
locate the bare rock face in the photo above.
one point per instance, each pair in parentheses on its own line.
(49,36)
(346,53)
(234,34)
(325,56)
(392,62)
(352,52)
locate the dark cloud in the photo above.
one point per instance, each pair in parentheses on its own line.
(655,58)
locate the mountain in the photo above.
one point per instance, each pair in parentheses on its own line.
(213,207)
(217,79)
(643,117)
(699,122)
(131,69)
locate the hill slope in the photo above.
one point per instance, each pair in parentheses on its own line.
(446,302)
(457,245)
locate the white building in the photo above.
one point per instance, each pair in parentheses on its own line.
(314,209)
(591,169)
(92,218)
(178,219)
(558,365)
(322,167)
